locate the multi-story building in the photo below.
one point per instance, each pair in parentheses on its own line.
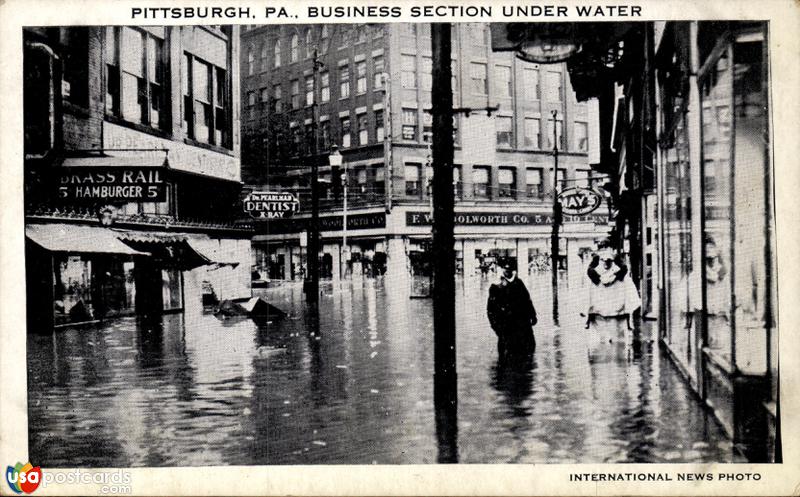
(369,93)
(688,107)
(132,171)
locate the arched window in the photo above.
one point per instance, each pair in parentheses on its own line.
(293,53)
(277,53)
(309,43)
(250,61)
(324,39)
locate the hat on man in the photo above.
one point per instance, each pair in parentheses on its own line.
(507,263)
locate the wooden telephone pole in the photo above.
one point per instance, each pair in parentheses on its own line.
(444,286)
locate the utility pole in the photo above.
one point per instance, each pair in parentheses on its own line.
(444,287)
(554,249)
(311,285)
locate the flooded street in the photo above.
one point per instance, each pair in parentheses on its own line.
(357,389)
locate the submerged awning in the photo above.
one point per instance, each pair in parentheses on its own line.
(77,238)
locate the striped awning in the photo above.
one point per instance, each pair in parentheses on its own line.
(78,238)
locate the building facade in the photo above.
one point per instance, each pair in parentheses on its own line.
(691,164)
(368,92)
(132,172)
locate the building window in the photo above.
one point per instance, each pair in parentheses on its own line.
(457,183)
(325,86)
(426,73)
(276,54)
(531,82)
(408,28)
(506,180)
(295,88)
(112,71)
(276,98)
(533,133)
(583,178)
(251,61)
(264,52)
(427,126)
(344,82)
(478,34)
(325,132)
(504,126)
(425,30)
(309,43)
(136,73)
(410,124)
(428,179)
(345,36)
(477,72)
(293,43)
(379,131)
(324,40)
(561,179)
(379,185)
(345,124)
(310,144)
(251,104)
(263,95)
(361,34)
(555,92)
(413,186)
(377,31)
(581,136)
(502,81)
(377,72)
(408,76)
(533,182)
(559,134)
(297,139)
(206,102)
(361,77)
(363,131)
(480,182)
(309,90)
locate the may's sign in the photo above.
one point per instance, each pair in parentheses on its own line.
(271,205)
(578,201)
(112,184)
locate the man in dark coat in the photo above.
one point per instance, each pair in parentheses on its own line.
(511,313)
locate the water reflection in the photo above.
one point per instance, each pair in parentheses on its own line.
(354,385)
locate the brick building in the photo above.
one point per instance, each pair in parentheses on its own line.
(373,97)
(132,171)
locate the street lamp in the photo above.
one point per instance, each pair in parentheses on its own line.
(335,161)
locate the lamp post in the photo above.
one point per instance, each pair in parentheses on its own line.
(554,248)
(335,161)
(311,285)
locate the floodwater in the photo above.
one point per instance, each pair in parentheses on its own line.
(356,388)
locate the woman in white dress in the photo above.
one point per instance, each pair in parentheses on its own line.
(612,295)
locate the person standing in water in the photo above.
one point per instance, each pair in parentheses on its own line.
(511,313)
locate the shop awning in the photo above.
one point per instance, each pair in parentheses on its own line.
(178,250)
(77,238)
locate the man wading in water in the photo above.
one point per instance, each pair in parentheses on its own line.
(511,313)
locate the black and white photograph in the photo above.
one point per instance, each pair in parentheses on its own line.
(371,242)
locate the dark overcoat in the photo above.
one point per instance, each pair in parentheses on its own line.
(512,317)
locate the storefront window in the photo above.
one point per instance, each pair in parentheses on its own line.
(72,289)
(738,255)
(681,325)
(717,99)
